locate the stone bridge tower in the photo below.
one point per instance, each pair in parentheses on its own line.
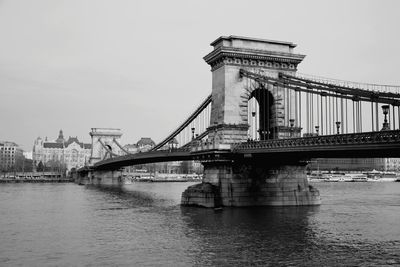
(104,143)
(252,180)
(230,93)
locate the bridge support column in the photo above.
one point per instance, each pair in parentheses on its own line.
(255,183)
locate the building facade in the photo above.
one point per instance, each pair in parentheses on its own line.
(61,153)
(355,164)
(11,155)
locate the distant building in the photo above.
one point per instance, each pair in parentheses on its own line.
(28,155)
(67,153)
(392,164)
(355,164)
(11,155)
(145,144)
(131,148)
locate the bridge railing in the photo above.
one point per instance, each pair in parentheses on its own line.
(204,145)
(326,140)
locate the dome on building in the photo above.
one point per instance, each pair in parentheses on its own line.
(145,141)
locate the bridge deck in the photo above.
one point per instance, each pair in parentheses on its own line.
(370,144)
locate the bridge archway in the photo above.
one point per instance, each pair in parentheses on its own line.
(261,107)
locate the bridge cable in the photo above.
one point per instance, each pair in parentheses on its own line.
(341,115)
(372,116)
(284,104)
(377,115)
(123,149)
(295,108)
(181,128)
(300,111)
(328,121)
(326,115)
(266,113)
(308,112)
(259,103)
(322,115)
(398,115)
(318,122)
(289,105)
(106,148)
(361,128)
(394,119)
(336,111)
(311,113)
(359,116)
(353,119)
(347,125)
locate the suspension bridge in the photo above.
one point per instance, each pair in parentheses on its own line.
(261,125)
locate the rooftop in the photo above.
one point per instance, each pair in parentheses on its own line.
(254,40)
(145,141)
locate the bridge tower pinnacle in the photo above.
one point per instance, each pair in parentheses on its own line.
(230,93)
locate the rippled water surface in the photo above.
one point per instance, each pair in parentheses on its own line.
(143,225)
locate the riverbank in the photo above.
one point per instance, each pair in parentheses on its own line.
(5,181)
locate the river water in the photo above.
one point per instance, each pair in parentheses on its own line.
(144,225)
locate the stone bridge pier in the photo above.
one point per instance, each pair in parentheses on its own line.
(251,181)
(101,178)
(254,182)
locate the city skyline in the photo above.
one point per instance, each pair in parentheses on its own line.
(73,66)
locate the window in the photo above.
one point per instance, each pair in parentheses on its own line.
(75,155)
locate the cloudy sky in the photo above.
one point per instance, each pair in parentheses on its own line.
(137,65)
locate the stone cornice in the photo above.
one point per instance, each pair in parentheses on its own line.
(252,54)
(252,58)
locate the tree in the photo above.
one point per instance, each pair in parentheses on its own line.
(40,167)
(23,164)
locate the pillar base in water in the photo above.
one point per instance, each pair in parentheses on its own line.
(241,185)
(203,194)
(107,178)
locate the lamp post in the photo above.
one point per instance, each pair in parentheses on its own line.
(291,121)
(193,132)
(317,129)
(385,126)
(338,127)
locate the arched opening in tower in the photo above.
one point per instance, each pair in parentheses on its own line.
(261,114)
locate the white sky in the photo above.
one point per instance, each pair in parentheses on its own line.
(137,65)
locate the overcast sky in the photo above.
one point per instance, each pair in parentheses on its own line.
(137,65)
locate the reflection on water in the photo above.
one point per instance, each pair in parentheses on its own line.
(143,224)
(251,235)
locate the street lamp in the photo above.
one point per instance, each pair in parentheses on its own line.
(317,129)
(193,132)
(385,125)
(338,127)
(291,121)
